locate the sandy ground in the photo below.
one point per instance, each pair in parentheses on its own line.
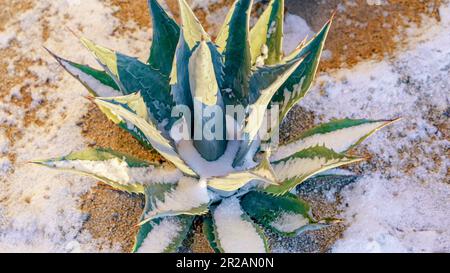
(360,32)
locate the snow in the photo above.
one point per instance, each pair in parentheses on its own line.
(396,216)
(5,39)
(161,236)
(289,222)
(401,204)
(235,234)
(295,30)
(202,4)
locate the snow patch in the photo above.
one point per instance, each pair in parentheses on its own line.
(295,30)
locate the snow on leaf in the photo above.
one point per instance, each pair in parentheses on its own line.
(236,233)
(285,214)
(337,135)
(118,170)
(188,197)
(163,235)
(293,170)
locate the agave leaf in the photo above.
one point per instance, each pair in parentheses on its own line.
(153,135)
(179,77)
(98,83)
(236,52)
(287,215)
(163,235)
(205,91)
(236,232)
(131,75)
(154,86)
(302,165)
(192,33)
(151,193)
(234,181)
(188,197)
(202,76)
(136,103)
(296,87)
(268,32)
(118,170)
(271,78)
(264,91)
(337,135)
(208,230)
(166,34)
(191,26)
(106,58)
(224,32)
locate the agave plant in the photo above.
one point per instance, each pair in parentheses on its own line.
(235,186)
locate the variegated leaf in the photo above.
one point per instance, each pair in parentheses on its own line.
(191,26)
(153,86)
(98,83)
(296,87)
(224,32)
(287,215)
(192,33)
(118,170)
(236,232)
(166,34)
(152,133)
(188,197)
(135,103)
(207,98)
(267,35)
(337,135)
(131,76)
(264,91)
(293,170)
(235,48)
